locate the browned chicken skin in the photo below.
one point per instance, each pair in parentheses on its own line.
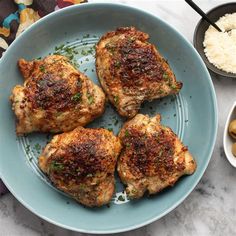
(55,97)
(82,164)
(131,70)
(153,157)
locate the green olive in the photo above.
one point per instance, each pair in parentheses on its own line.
(232,129)
(234,149)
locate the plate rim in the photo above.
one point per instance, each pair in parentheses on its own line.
(215,121)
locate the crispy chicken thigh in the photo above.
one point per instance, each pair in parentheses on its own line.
(55,96)
(153,157)
(131,70)
(82,163)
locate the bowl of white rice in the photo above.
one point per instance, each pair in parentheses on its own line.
(218,49)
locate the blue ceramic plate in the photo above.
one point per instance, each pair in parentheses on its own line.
(192,115)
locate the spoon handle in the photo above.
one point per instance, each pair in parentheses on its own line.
(204,16)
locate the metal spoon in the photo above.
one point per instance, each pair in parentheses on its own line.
(204,16)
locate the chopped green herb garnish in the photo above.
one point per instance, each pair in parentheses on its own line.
(126,133)
(90,51)
(173,86)
(127,145)
(57,48)
(57,166)
(86,59)
(84,53)
(79,83)
(70,57)
(90,98)
(27,149)
(37,147)
(110,129)
(117,64)
(133,191)
(76,97)
(116,99)
(121,198)
(85,69)
(86,36)
(165,76)
(59,113)
(131,39)
(69,50)
(110,47)
(42,68)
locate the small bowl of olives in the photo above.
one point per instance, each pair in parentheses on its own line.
(230,136)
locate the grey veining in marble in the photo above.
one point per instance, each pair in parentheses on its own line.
(210,209)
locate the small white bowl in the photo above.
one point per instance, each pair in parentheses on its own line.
(228,140)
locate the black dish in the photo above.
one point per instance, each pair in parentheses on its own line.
(201,28)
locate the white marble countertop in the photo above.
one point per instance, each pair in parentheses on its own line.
(210,209)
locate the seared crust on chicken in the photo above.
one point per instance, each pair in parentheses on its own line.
(82,164)
(153,157)
(55,97)
(131,70)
